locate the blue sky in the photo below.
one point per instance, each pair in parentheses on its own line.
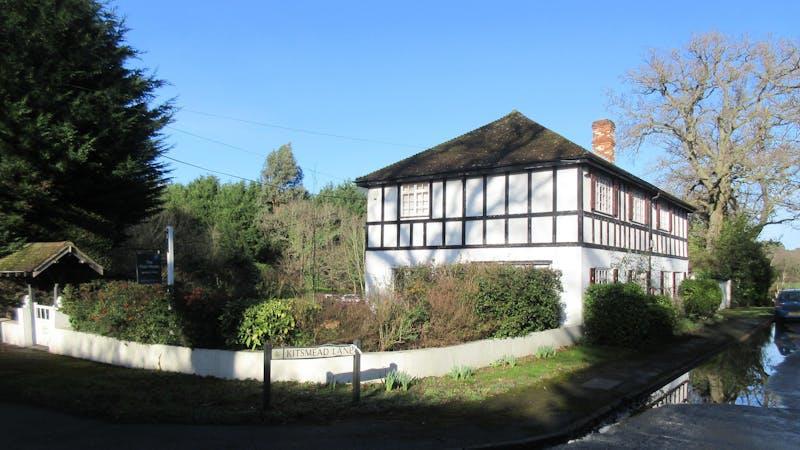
(398,77)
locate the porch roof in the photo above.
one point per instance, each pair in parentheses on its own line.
(36,257)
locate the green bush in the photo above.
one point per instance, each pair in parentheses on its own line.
(231,318)
(199,309)
(737,255)
(621,314)
(519,300)
(270,320)
(701,297)
(124,310)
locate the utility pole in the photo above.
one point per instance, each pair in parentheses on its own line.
(170,255)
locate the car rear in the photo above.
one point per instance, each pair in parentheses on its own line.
(787,305)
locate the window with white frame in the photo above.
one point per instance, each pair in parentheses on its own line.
(664,218)
(603,195)
(638,213)
(414,200)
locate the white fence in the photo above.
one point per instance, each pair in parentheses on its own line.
(249,364)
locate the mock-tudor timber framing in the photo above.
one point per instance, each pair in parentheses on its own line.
(624,235)
(512,192)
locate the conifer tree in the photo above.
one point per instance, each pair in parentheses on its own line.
(79,134)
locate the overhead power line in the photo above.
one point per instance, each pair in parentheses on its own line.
(236,147)
(300,130)
(209,170)
(277,126)
(341,197)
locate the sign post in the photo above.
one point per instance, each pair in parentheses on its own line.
(267,375)
(357,372)
(148,267)
(323,351)
(170,256)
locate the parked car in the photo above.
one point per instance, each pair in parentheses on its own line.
(787,305)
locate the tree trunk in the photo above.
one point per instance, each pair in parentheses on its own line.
(715,221)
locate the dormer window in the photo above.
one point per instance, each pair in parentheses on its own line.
(415,200)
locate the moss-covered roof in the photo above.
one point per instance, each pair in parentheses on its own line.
(34,258)
(512,141)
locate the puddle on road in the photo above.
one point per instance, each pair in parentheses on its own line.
(737,375)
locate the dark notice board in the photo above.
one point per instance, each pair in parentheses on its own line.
(148,267)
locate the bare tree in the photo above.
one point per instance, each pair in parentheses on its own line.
(727,112)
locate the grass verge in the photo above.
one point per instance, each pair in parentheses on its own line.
(135,395)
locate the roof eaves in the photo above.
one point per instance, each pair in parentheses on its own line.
(467,173)
(600,161)
(69,248)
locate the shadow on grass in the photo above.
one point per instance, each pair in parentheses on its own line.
(533,398)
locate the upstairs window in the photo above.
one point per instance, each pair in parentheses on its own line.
(414,200)
(603,195)
(638,210)
(664,219)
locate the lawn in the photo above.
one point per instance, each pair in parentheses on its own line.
(134,395)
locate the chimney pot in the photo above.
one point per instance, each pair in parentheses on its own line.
(603,139)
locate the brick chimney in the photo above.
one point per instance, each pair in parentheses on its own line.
(603,139)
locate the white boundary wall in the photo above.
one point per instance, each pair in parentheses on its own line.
(249,365)
(11,332)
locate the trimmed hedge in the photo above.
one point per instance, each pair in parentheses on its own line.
(701,297)
(124,310)
(622,314)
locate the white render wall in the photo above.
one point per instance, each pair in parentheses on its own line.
(380,265)
(249,364)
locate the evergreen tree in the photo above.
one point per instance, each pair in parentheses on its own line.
(736,255)
(79,138)
(281,178)
(346,195)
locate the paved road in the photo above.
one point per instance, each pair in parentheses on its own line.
(25,427)
(721,426)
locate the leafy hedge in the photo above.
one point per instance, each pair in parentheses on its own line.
(484,300)
(267,321)
(701,297)
(431,306)
(622,314)
(519,301)
(124,310)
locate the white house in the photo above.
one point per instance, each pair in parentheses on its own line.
(513,191)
